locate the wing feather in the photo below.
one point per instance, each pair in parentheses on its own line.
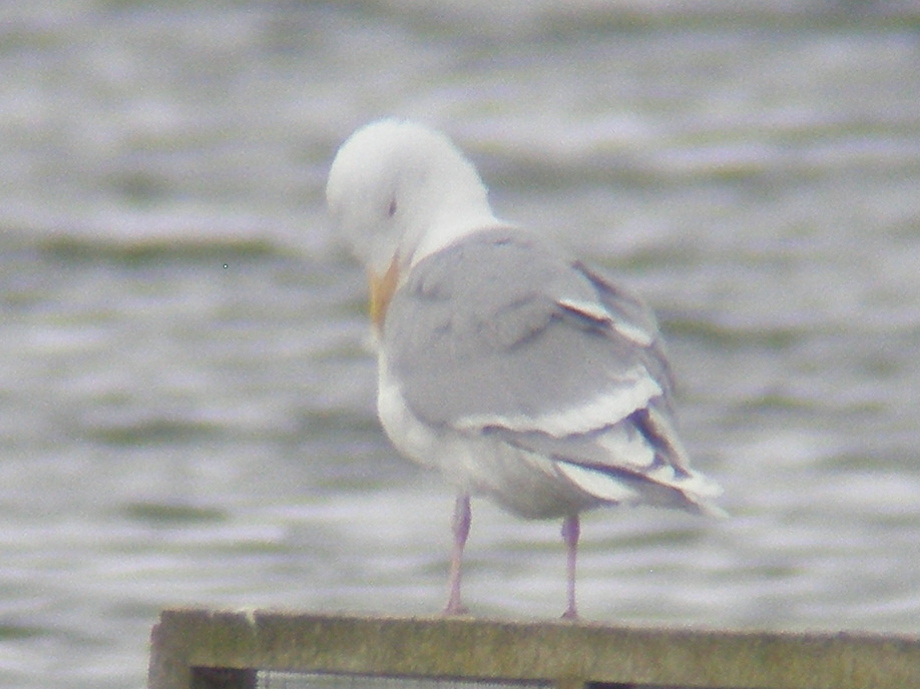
(499,326)
(499,335)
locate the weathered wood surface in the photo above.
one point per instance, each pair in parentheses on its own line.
(565,653)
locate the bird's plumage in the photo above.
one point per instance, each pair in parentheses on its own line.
(499,337)
(516,370)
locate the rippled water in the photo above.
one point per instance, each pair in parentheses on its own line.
(186,405)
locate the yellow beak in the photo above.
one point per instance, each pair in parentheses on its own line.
(382,288)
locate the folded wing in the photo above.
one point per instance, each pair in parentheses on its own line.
(500,334)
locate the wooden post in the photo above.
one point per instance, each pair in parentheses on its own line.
(211,649)
(223,678)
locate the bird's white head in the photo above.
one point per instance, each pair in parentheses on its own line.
(397,192)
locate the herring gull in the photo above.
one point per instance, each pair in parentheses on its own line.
(516,370)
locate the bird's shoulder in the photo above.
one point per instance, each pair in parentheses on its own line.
(504,323)
(496,286)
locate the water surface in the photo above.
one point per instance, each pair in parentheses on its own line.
(186,403)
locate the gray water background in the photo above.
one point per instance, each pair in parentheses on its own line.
(186,399)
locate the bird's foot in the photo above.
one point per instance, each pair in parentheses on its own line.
(455,607)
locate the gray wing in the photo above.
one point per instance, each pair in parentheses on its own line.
(500,334)
(501,326)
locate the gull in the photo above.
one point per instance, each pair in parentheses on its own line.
(516,370)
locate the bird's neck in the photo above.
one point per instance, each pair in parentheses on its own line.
(450,225)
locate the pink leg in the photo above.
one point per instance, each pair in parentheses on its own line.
(461,529)
(571,529)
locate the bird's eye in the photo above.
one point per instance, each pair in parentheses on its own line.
(391,211)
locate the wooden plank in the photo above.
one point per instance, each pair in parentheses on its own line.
(565,653)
